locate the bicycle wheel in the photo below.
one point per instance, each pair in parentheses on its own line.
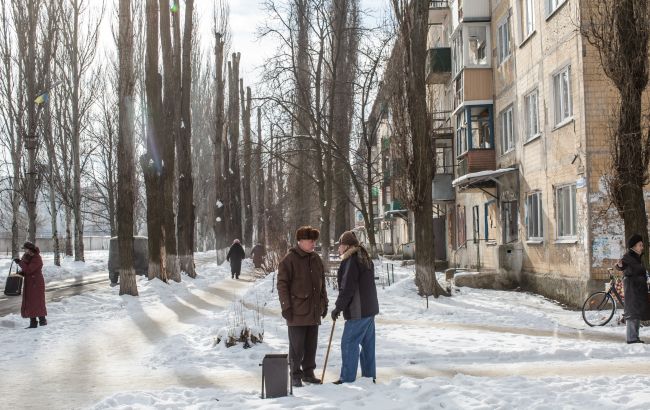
(598,309)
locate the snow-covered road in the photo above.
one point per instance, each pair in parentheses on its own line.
(480,349)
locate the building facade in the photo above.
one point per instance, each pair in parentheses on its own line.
(520,110)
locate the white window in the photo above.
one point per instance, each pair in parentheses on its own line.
(532,117)
(477,46)
(552,5)
(503,40)
(566,211)
(562,95)
(507,130)
(534,225)
(527,14)
(457,53)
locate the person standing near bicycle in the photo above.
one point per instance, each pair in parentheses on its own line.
(635,286)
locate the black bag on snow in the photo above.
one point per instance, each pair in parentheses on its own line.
(14,284)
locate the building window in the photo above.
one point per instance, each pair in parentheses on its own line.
(562,95)
(490,221)
(461,235)
(566,211)
(552,5)
(461,131)
(534,226)
(457,53)
(532,118)
(509,213)
(477,46)
(507,130)
(527,12)
(503,40)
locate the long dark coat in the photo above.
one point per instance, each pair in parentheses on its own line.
(235,256)
(34,287)
(301,288)
(636,289)
(258,253)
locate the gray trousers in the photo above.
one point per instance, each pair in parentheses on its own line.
(632,329)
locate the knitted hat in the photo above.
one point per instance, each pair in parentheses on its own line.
(30,246)
(349,238)
(307,232)
(634,239)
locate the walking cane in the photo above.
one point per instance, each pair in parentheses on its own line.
(322,378)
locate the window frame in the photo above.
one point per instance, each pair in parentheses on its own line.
(504,43)
(539,217)
(510,208)
(562,110)
(531,96)
(506,122)
(560,210)
(550,8)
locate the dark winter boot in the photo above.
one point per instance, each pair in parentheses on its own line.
(32,323)
(42,321)
(310,379)
(237,276)
(296,382)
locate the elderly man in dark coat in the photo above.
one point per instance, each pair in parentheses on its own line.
(303,299)
(31,266)
(235,255)
(636,288)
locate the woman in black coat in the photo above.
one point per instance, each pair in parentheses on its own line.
(235,256)
(636,288)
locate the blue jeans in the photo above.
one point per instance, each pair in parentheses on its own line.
(359,332)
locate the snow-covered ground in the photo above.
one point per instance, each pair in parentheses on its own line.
(479,349)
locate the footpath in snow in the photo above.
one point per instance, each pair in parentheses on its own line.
(479,349)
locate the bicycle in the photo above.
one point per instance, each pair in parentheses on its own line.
(599,308)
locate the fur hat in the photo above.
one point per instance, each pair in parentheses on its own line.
(307,232)
(30,246)
(349,238)
(634,239)
(236,241)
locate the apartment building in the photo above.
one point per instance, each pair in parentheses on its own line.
(519,105)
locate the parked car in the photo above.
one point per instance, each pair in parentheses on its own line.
(140,256)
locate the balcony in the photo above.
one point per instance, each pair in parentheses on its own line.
(477,160)
(438,11)
(474,84)
(438,66)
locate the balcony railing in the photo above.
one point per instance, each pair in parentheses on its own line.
(438,4)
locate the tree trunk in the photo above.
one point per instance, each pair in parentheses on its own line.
(151,162)
(259,183)
(125,151)
(220,168)
(234,184)
(185,182)
(246,181)
(170,123)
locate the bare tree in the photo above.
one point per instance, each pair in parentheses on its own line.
(413,146)
(152,162)
(618,29)
(186,215)
(246,101)
(260,190)
(126,150)
(233,173)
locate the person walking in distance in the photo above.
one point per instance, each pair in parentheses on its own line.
(358,301)
(303,299)
(33,305)
(635,287)
(235,255)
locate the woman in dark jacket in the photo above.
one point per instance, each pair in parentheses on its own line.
(358,301)
(636,288)
(235,256)
(33,305)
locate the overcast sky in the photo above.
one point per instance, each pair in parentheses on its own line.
(247,15)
